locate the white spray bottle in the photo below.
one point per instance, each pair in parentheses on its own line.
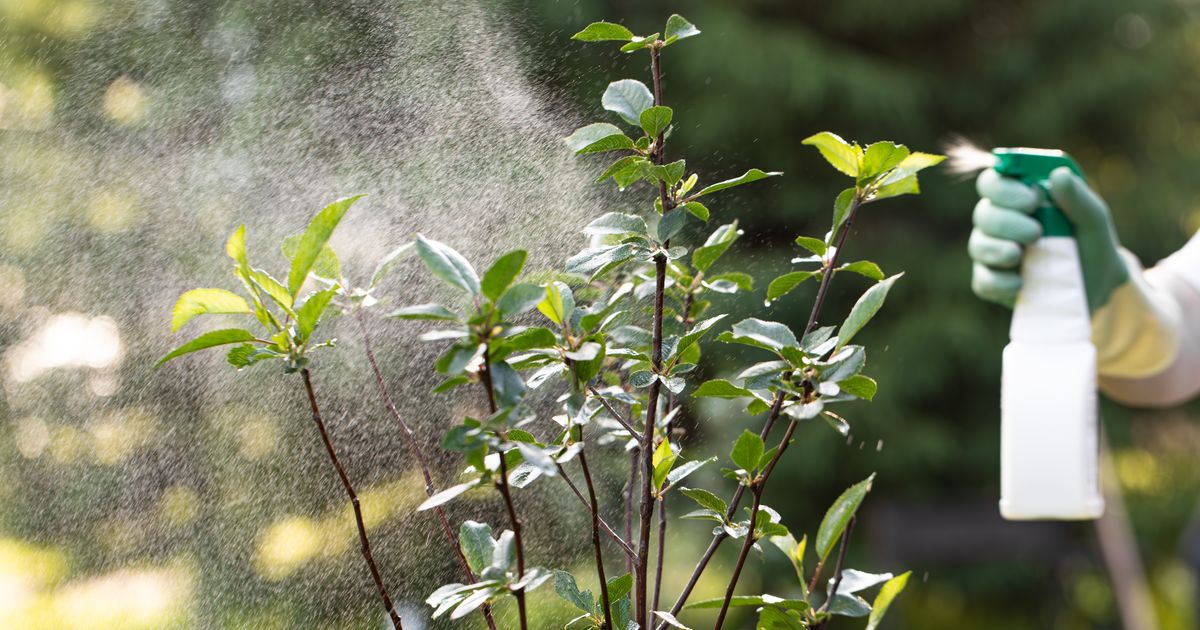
(1049,429)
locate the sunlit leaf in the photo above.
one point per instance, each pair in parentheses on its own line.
(313,240)
(206,302)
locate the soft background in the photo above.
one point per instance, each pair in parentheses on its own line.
(136,134)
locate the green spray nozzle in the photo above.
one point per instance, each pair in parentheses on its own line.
(1033,167)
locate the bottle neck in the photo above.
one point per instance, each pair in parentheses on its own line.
(1052,305)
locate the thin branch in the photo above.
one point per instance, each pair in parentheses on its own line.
(634,459)
(686,321)
(595,507)
(485,374)
(741,561)
(646,512)
(358,517)
(625,548)
(841,562)
(818,303)
(637,435)
(416,451)
(760,487)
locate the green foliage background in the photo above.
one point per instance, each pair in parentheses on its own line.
(1113,82)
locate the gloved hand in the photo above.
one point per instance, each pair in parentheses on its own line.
(1003,226)
(1136,326)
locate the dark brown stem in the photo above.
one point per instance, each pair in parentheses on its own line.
(637,435)
(358,517)
(741,561)
(485,374)
(595,507)
(646,513)
(628,551)
(818,303)
(416,451)
(662,500)
(634,459)
(760,486)
(837,568)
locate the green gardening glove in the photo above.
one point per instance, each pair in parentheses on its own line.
(1003,225)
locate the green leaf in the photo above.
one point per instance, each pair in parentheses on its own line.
(747,450)
(628,98)
(906,186)
(447,495)
(814,245)
(590,134)
(559,303)
(911,165)
(327,264)
(603,32)
(312,242)
(849,606)
(864,309)
(706,499)
(751,600)
(842,155)
(884,599)
(670,224)
(208,340)
(670,620)
(670,173)
(663,459)
(841,209)
(615,142)
(751,175)
(568,589)
(274,289)
(616,223)
(309,313)
(433,312)
(447,265)
(245,355)
(502,273)
(715,246)
(477,544)
(205,302)
(881,157)
(794,551)
(598,137)
(730,282)
(864,268)
(679,473)
(620,586)
(839,515)
(697,209)
(520,298)
(854,581)
(389,262)
(625,171)
(678,28)
(763,334)
(235,247)
(698,331)
(721,388)
(860,385)
(784,284)
(655,120)
(638,43)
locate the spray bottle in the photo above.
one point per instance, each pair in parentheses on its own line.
(1049,431)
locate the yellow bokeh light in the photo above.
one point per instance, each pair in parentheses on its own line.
(110,211)
(1138,470)
(286,546)
(179,505)
(124,101)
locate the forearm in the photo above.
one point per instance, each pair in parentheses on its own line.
(1148,336)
